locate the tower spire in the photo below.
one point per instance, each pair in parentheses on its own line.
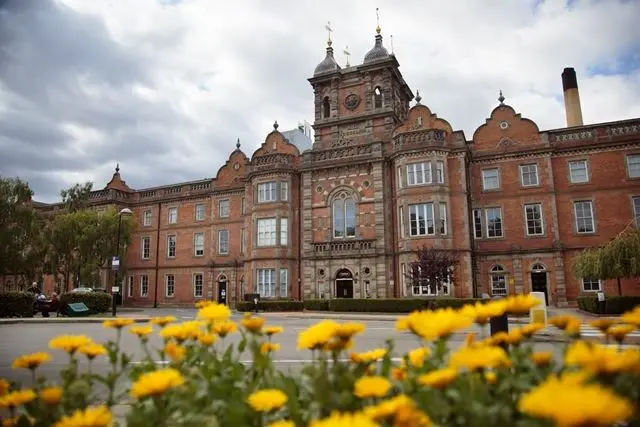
(329,31)
(378,29)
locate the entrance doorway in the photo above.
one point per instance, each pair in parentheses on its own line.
(539,281)
(344,284)
(222,290)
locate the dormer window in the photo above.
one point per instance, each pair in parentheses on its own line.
(377,97)
(326,108)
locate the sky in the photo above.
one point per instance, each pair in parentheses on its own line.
(166,87)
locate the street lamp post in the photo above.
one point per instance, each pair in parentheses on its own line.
(124,211)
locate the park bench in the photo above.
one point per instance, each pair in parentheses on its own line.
(48,307)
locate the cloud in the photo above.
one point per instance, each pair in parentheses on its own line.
(165,87)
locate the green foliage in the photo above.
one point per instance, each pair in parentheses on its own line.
(96,302)
(316,304)
(76,197)
(16,304)
(612,304)
(279,305)
(391,305)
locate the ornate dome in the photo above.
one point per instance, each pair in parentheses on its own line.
(378,52)
(327,65)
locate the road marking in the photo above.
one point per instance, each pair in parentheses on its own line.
(590,331)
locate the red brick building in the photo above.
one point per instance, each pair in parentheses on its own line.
(382,178)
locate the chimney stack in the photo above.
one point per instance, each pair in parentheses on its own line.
(571,97)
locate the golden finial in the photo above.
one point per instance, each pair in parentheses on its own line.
(377,22)
(347,53)
(329,30)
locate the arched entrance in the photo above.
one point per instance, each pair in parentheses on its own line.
(539,280)
(344,284)
(222,289)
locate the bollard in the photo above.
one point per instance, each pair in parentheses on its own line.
(499,324)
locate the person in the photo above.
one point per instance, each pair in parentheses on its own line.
(34,289)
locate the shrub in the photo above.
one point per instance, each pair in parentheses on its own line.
(316,304)
(270,305)
(395,305)
(16,304)
(612,304)
(96,302)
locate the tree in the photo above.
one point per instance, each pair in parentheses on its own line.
(76,197)
(433,268)
(618,259)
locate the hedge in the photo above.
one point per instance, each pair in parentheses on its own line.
(96,302)
(393,305)
(612,304)
(16,304)
(269,305)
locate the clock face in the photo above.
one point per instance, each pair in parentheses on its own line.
(352,101)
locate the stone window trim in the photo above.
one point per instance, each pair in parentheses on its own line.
(526,220)
(144,285)
(587,165)
(422,170)
(526,168)
(276,232)
(591,284)
(498,280)
(634,158)
(483,182)
(594,218)
(270,192)
(194,282)
(348,192)
(169,285)
(404,219)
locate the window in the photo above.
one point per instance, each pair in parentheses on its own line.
(401,220)
(326,107)
(284,191)
(223,208)
(421,286)
(443,218)
(267,192)
(493,218)
(198,244)
(171,246)
(173,215)
(399,177)
(477,223)
(267,232)
(284,231)
(284,282)
(529,175)
(490,179)
(198,285)
(584,217)
(266,282)
(421,219)
(498,280)
(200,209)
(377,97)
(170,285)
(344,216)
(633,165)
(533,218)
(578,171)
(223,242)
(144,285)
(130,286)
(146,247)
(636,209)
(419,173)
(591,285)
(440,172)
(242,244)
(146,218)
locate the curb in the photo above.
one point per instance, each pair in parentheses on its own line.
(349,316)
(68,320)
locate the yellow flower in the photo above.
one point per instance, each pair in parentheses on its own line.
(182,331)
(203,304)
(542,358)
(388,408)
(92,350)
(272,330)
(224,328)
(31,361)
(490,377)
(371,387)
(317,336)
(603,324)
(162,321)
(346,419)
(117,323)
(268,347)
(17,398)
(600,359)
(156,383)
(267,400)
(4,386)
(418,355)
(521,304)
(282,423)
(206,339)
(214,312)
(96,416)
(433,325)
(338,345)
(410,417)
(569,403)
(619,332)
(481,312)
(474,358)
(439,379)
(51,395)
(515,336)
(141,331)
(69,343)
(253,324)
(398,374)
(530,329)
(369,356)
(347,330)
(632,317)
(498,338)
(175,351)
(563,322)
(470,339)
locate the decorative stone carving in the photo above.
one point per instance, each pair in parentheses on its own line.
(340,153)
(352,101)
(505,143)
(433,137)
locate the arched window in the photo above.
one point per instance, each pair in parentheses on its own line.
(538,268)
(377,97)
(344,216)
(498,280)
(326,107)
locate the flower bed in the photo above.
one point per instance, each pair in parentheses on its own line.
(498,381)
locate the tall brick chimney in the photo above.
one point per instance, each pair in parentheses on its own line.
(571,97)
